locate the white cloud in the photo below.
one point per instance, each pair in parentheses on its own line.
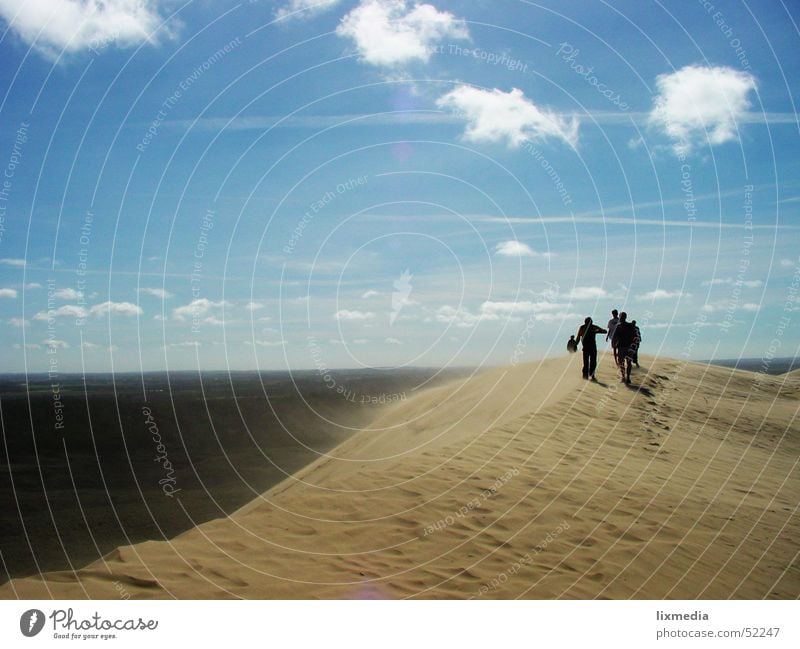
(33,285)
(494,116)
(8,292)
(557,316)
(514,249)
(156,292)
(361,341)
(587,293)
(750,306)
(661,294)
(304,8)
(368,294)
(787,263)
(28,346)
(496,309)
(67,294)
(73,25)
(54,343)
(91,347)
(266,343)
(254,306)
(15,263)
(750,283)
(197,308)
(392,341)
(699,103)
(213,320)
(347,315)
(18,322)
(115,308)
(390,33)
(186,343)
(65,311)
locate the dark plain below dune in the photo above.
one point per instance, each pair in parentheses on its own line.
(92,463)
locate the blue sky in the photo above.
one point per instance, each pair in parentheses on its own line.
(378,183)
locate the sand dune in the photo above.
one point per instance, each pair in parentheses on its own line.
(517,482)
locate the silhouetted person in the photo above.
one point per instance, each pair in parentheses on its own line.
(612,326)
(572,345)
(587,333)
(638,343)
(625,341)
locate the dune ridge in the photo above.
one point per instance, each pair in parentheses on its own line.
(516,482)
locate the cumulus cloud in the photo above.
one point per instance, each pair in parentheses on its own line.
(787,263)
(392,341)
(496,116)
(368,294)
(8,292)
(67,294)
(90,347)
(304,8)
(52,26)
(514,249)
(459,317)
(115,308)
(54,343)
(353,316)
(156,292)
(197,308)
(701,103)
(33,285)
(253,306)
(390,33)
(661,294)
(587,293)
(18,322)
(14,263)
(65,311)
(493,311)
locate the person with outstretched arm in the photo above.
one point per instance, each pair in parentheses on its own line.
(586,333)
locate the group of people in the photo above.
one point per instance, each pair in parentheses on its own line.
(625,339)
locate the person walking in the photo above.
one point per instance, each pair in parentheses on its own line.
(586,333)
(638,343)
(612,326)
(625,342)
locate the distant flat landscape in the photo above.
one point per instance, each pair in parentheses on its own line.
(773,366)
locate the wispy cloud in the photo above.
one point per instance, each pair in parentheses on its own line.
(303,9)
(661,294)
(14,263)
(156,292)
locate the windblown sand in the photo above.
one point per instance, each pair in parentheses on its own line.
(517,482)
